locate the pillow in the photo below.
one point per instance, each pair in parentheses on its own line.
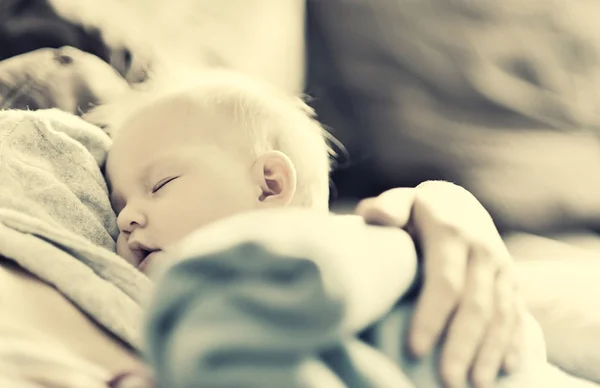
(499,97)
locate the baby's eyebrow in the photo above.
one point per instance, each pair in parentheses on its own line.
(167,160)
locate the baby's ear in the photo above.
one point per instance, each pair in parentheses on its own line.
(275,175)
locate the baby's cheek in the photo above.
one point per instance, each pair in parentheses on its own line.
(171,227)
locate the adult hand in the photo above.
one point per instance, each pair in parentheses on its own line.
(469,291)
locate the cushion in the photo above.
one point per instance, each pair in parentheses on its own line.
(499,97)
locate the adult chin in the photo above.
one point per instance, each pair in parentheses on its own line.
(26,26)
(91,81)
(66,78)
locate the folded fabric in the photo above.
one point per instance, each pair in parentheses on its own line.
(282,298)
(56,220)
(255,305)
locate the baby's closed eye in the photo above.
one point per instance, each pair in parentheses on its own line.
(162,183)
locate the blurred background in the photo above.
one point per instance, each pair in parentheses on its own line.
(501,97)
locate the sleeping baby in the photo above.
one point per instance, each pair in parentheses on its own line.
(229,145)
(194,157)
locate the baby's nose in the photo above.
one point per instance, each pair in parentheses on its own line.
(129,219)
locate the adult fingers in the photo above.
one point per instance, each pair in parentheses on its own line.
(497,340)
(444,274)
(514,350)
(471,322)
(391,208)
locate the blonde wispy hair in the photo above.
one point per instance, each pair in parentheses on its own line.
(272,120)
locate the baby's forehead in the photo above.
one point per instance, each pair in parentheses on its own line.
(225,110)
(189,107)
(178,120)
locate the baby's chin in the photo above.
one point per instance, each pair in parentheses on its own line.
(147,261)
(154,264)
(148,265)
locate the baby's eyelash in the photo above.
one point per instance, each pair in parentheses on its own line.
(162,184)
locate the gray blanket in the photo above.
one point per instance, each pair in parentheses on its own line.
(54,207)
(263,307)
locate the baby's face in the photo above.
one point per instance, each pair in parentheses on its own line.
(168,177)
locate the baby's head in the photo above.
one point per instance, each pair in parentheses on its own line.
(224,146)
